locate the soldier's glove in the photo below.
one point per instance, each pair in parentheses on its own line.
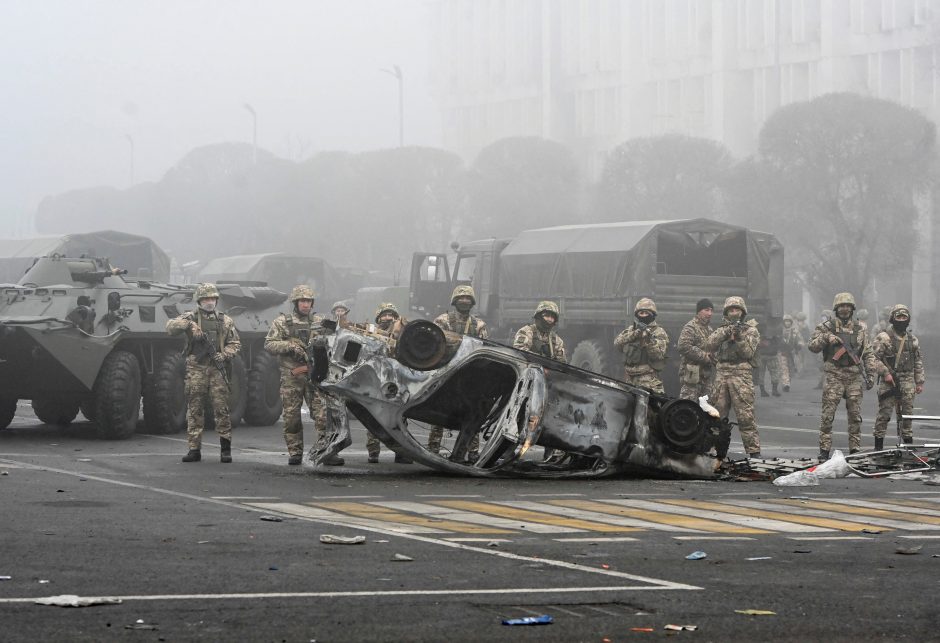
(869,383)
(219,360)
(297,371)
(298,353)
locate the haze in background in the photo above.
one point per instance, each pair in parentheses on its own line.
(79,78)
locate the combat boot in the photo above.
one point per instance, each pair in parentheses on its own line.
(823,455)
(295,459)
(373,458)
(194,455)
(908,439)
(754,456)
(775,392)
(786,388)
(226,455)
(763,391)
(879,444)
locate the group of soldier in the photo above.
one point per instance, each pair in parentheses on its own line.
(716,362)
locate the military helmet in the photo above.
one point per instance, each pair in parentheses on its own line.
(463,291)
(843,298)
(788,318)
(645,304)
(205,291)
(547,307)
(386,307)
(800,316)
(900,308)
(339,304)
(734,302)
(301,292)
(885,312)
(861,314)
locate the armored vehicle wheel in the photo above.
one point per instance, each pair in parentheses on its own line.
(117,396)
(165,395)
(7,411)
(264,391)
(56,412)
(590,356)
(87,407)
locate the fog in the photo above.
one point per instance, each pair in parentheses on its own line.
(85,81)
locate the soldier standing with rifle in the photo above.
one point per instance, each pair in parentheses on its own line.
(899,351)
(848,363)
(211,343)
(288,339)
(697,368)
(791,347)
(644,344)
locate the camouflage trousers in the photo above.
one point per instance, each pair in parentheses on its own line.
(841,384)
(436,434)
(886,406)
(734,389)
(295,390)
(768,363)
(373,445)
(784,370)
(705,386)
(205,385)
(645,377)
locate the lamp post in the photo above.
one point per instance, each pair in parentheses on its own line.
(254,132)
(130,140)
(396,72)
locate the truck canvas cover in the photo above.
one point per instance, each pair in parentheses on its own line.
(277,270)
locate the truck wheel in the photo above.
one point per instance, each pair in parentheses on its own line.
(238,400)
(117,396)
(55,412)
(7,411)
(87,407)
(589,355)
(264,391)
(165,395)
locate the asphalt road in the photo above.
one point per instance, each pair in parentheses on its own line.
(192,554)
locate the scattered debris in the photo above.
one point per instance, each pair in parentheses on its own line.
(642,629)
(759,558)
(380,541)
(544,619)
(605,566)
(43,581)
(756,612)
(402,558)
(72,600)
(872,531)
(203,542)
(273,568)
(84,459)
(330,539)
(493,543)
(802,551)
(140,625)
(679,628)
(909,551)
(6,578)
(696,555)
(798,479)
(272,518)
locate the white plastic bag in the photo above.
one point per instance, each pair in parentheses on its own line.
(834,467)
(798,479)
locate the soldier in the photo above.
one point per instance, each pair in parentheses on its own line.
(883,323)
(697,368)
(800,323)
(734,345)
(460,321)
(211,343)
(340,312)
(899,351)
(540,337)
(288,339)
(791,347)
(843,343)
(644,345)
(768,355)
(388,321)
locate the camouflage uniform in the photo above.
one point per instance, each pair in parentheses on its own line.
(288,337)
(462,324)
(792,343)
(768,359)
(842,378)
(204,382)
(697,368)
(800,357)
(734,346)
(644,350)
(546,343)
(900,354)
(393,329)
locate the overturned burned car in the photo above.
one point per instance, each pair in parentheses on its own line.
(401,385)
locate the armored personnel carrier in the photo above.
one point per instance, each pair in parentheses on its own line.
(75,334)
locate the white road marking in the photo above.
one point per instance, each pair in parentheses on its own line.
(914,493)
(919,537)
(887,506)
(829,538)
(799,510)
(447,495)
(713,538)
(343,497)
(745,521)
(478,540)
(447,513)
(547,495)
(602,539)
(245,497)
(594,516)
(652,583)
(342,520)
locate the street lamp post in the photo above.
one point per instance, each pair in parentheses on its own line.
(254,132)
(396,72)
(130,140)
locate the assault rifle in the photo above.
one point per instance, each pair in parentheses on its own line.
(205,347)
(853,357)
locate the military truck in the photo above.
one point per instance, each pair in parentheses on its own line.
(597,273)
(77,335)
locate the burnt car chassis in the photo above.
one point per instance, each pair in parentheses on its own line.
(399,387)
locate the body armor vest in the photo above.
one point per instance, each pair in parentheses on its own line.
(850,341)
(298,330)
(729,352)
(903,362)
(468,327)
(541,346)
(214,329)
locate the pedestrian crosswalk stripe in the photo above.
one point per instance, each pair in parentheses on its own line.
(475,518)
(722,513)
(889,506)
(304,511)
(533,516)
(629,524)
(864,521)
(918,503)
(748,509)
(666,518)
(865,511)
(374,512)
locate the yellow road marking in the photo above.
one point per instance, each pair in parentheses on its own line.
(533,516)
(373,512)
(701,524)
(829,523)
(864,511)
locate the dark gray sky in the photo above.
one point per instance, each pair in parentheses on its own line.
(80,76)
